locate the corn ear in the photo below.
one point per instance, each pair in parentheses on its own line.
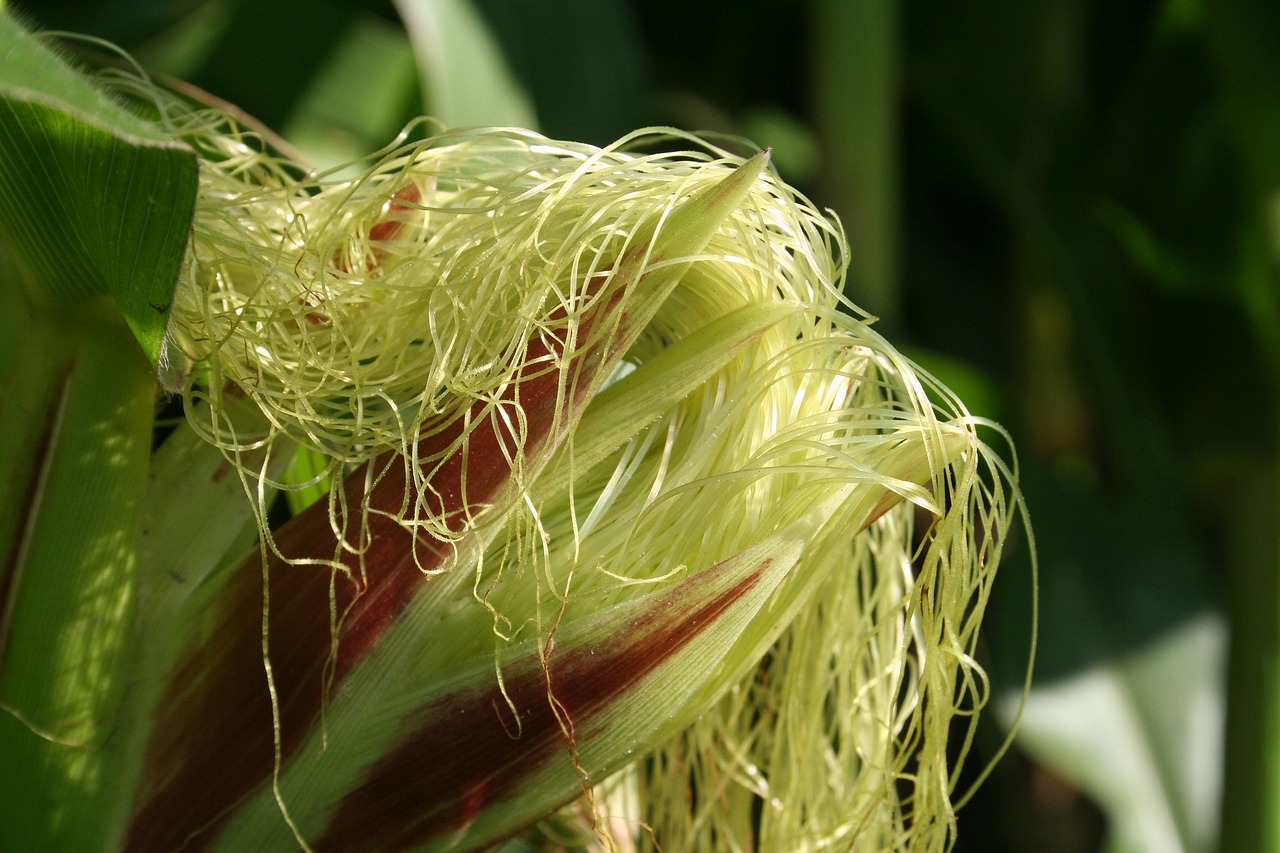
(321,627)
(622,496)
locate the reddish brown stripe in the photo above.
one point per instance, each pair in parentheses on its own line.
(380,233)
(390,227)
(212,743)
(213,739)
(461,753)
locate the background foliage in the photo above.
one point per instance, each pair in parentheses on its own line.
(1067,209)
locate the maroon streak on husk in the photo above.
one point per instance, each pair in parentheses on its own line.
(410,796)
(213,742)
(213,739)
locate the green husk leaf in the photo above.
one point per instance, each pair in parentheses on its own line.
(196,522)
(638,398)
(602,682)
(431,752)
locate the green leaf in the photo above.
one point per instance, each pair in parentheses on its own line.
(307,465)
(95,206)
(359,99)
(33,355)
(465,78)
(70,582)
(1128,702)
(1139,734)
(93,199)
(425,748)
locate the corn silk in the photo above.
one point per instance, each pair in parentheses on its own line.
(375,316)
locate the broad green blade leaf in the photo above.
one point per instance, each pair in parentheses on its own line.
(93,200)
(33,356)
(70,584)
(95,205)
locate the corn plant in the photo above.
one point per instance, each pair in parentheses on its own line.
(520,487)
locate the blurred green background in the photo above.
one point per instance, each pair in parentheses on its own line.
(1068,210)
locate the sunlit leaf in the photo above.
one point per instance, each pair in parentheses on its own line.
(70,586)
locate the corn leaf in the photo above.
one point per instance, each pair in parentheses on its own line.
(93,199)
(465,78)
(95,205)
(69,588)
